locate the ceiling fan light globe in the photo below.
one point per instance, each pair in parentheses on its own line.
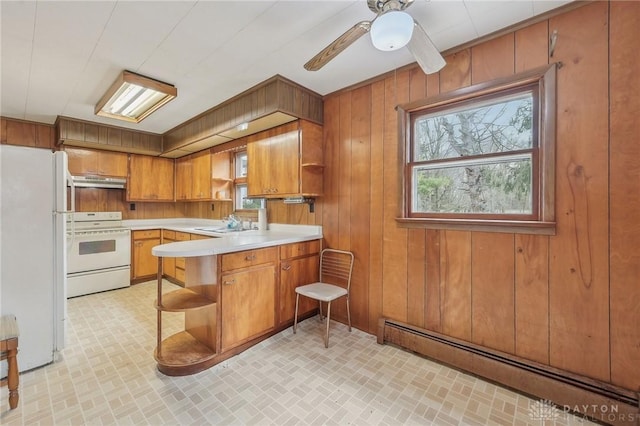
(391,30)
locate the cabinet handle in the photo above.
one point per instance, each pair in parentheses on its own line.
(250,257)
(286,267)
(301,249)
(233,281)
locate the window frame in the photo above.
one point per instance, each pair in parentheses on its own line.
(542,219)
(241,181)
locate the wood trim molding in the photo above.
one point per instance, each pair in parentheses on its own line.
(275,95)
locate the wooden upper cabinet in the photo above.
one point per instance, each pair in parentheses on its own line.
(221,175)
(97,163)
(286,161)
(26,133)
(150,178)
(184,172)
(201,176)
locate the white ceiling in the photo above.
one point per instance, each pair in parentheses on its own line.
(59,57)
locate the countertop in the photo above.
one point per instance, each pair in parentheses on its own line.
(277,234)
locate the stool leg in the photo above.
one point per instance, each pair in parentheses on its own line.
(12,377)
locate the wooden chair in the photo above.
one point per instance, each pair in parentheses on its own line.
(335,282)
(9,351)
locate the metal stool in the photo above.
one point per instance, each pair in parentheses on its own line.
(9,351)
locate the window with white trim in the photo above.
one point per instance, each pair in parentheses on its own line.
(242,202)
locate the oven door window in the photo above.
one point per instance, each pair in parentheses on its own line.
(95,247)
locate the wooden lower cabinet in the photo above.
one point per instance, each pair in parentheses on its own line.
(144,265)
(168,263)
(248,304)
(231,302)
(299,265)
(173,268)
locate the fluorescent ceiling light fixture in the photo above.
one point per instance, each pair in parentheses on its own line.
(392,30)
(242,127)
(133,97)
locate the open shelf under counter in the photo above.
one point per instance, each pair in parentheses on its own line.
(182,354)
(182,300)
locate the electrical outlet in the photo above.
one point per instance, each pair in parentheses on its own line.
(132,206)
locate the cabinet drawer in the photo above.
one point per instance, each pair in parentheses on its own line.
(305,248)
(180,262)
(199,237)
(183,236)
(169,235)
(149,233)
(247,258)
(180,274)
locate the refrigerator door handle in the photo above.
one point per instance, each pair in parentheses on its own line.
(72,185)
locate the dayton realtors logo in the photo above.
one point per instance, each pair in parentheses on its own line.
(545,410)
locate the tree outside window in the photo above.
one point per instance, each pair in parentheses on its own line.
(484,155)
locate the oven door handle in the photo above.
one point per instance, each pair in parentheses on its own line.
(100,234)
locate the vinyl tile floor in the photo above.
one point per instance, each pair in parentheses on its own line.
(107,375)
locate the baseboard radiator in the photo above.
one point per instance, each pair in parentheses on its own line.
(559,392)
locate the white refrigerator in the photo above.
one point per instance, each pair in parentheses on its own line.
(33,250)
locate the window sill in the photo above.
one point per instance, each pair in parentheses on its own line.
(481,225)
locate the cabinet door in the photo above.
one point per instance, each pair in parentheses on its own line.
(285,163)
(82,161)
(201,179)
(248,304)
(258,181)
(294,273)
(162,174)
(274,162)
(144,263)
(183,178)
(112,163)
(150,178)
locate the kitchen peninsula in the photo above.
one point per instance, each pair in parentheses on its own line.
(239,289)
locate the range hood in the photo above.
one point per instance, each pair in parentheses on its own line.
(99,182)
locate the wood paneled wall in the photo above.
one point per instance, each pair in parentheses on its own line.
(97,199)
(571,300)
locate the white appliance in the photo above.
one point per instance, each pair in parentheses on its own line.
(33,205)
(99,253)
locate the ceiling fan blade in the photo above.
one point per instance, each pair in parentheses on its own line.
(338,45)
(424,51)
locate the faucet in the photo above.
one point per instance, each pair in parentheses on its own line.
(233,222)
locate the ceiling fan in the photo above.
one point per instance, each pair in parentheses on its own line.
(391,29)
